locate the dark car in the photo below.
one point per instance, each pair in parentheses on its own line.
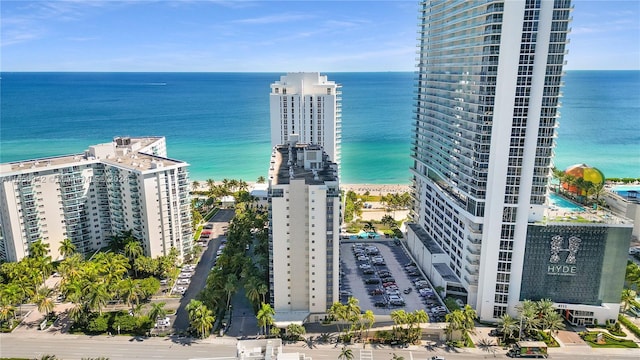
(380,303)
(495,332)
(384,273)
(407,290)
(368,271)
(372,281)
(388,279)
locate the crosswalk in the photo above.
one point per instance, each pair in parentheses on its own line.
(366,355)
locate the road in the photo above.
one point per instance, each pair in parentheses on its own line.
(70,347)
(199,278)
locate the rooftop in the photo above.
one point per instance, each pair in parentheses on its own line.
(578,213)
(301,161)
(123,152)
(426,239)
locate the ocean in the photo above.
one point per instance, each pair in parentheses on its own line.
(219,122)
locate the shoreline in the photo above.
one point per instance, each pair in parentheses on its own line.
(373,189)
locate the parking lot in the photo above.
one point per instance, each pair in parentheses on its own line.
(383,278)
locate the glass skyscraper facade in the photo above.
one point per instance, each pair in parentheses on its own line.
(486,108)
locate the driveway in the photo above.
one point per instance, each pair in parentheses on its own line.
(199,278)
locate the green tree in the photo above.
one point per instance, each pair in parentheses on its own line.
(67,248)
(195,185)
(508,325)
(133,250)
(157,311)
(456,322)
(43,300)
(265,317)
(294,331)
(529,317)
(627,297)
(38,249)
(251,289)
(97,297)
(129,291)
(261,179)
(200,317)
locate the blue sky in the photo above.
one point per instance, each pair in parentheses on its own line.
(279,36)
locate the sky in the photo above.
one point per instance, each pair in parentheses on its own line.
(264,36)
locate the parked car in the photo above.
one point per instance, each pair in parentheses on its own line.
(372,281)
(183,282)
(407,290)
(365,266)
(380,303)
(368,271)
(163,321)
(376,292)
(208,226)
(384,273)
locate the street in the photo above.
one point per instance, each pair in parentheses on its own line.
(70,347)
(199,278)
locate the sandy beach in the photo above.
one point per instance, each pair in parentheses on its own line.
(373,189)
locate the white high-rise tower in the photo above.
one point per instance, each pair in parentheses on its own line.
(307,104)
(487,99)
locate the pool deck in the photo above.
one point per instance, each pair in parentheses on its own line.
(585,215)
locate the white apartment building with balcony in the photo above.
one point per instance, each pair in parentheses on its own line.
(309,105)
(127,184)
(486,109)
(304,214)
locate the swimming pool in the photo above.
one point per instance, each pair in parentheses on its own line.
(564,204)
(627,190)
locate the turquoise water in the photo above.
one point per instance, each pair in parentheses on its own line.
(219,122)
(562,203)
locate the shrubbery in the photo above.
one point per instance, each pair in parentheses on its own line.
(631,326)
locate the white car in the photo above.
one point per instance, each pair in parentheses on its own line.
(183,282)
(185,275)
(365,266)
(163,322)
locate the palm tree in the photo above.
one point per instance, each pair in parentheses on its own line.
(230,287)
(261,179)
(628,295)
(195,185)
(456,322)
(508,325)
(157,311)
(67,248)
(129,291)
(97,296)
(43,300)
(469,315)
(38,249)
(528,315)
(553,322)
(265,316)
(7,313)
(200,317)
(263,289)
(133,250)
(369,319)
(251,289)
(345,354)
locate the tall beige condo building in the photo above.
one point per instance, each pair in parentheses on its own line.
(126,184)
(309,105)
(304,219)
